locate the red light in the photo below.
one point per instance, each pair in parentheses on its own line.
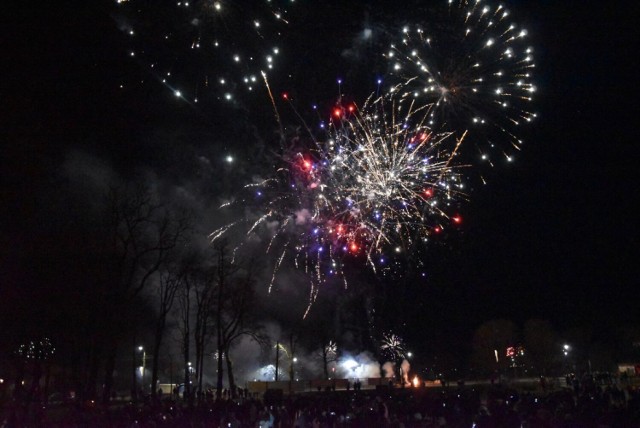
(437,229)
(353,247)
(457,219)
(351,109)
(428,193)
(340,229)
(307,164)
(337,112)
(285,96)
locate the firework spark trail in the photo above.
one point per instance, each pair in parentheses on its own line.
(258,222)
(275,270)
(218,233)
(285,223)
(273,103)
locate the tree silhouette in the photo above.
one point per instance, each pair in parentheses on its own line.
(235,299)
(140,236)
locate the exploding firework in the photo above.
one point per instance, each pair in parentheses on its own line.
(384,177)
(392,346)
(203,48)
(41,349)
(378,184)
(331,350)
(472,68)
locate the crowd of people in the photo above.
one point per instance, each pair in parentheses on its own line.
(579,404)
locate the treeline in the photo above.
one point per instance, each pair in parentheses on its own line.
(537,348)
(123,265)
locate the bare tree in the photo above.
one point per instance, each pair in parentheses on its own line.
(233,318)
(277,365)
(293,344)
(184,328)
(244,325)
(328,354)
(204,294)
(289,352)
(140,237)
(321,330)
(224,269)
(169,281)
(196,303)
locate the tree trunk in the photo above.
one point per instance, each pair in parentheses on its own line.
(108,346)
(232,382)
(47,379)
(200,367)
(187,387)
(134,375)
(156,357)
(219,322)
(108,372)
(91,378)
(200,333)
(277,359)
(18,385)
(325,363)
(34,394)
(219,382)
(291,361)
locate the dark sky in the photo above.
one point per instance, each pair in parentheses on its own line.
(553,235)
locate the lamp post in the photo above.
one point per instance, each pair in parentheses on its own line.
(566,349)
(293,373)
(144,366)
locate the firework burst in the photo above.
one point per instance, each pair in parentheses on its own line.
(202,48)
(41,349)
(377,184)
(392,346)
(472,68)
(384,177)
(331,351)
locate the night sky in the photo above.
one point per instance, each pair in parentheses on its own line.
(552,235)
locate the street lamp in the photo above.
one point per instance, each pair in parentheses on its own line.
(566,349)
(144,365)
(293,372)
